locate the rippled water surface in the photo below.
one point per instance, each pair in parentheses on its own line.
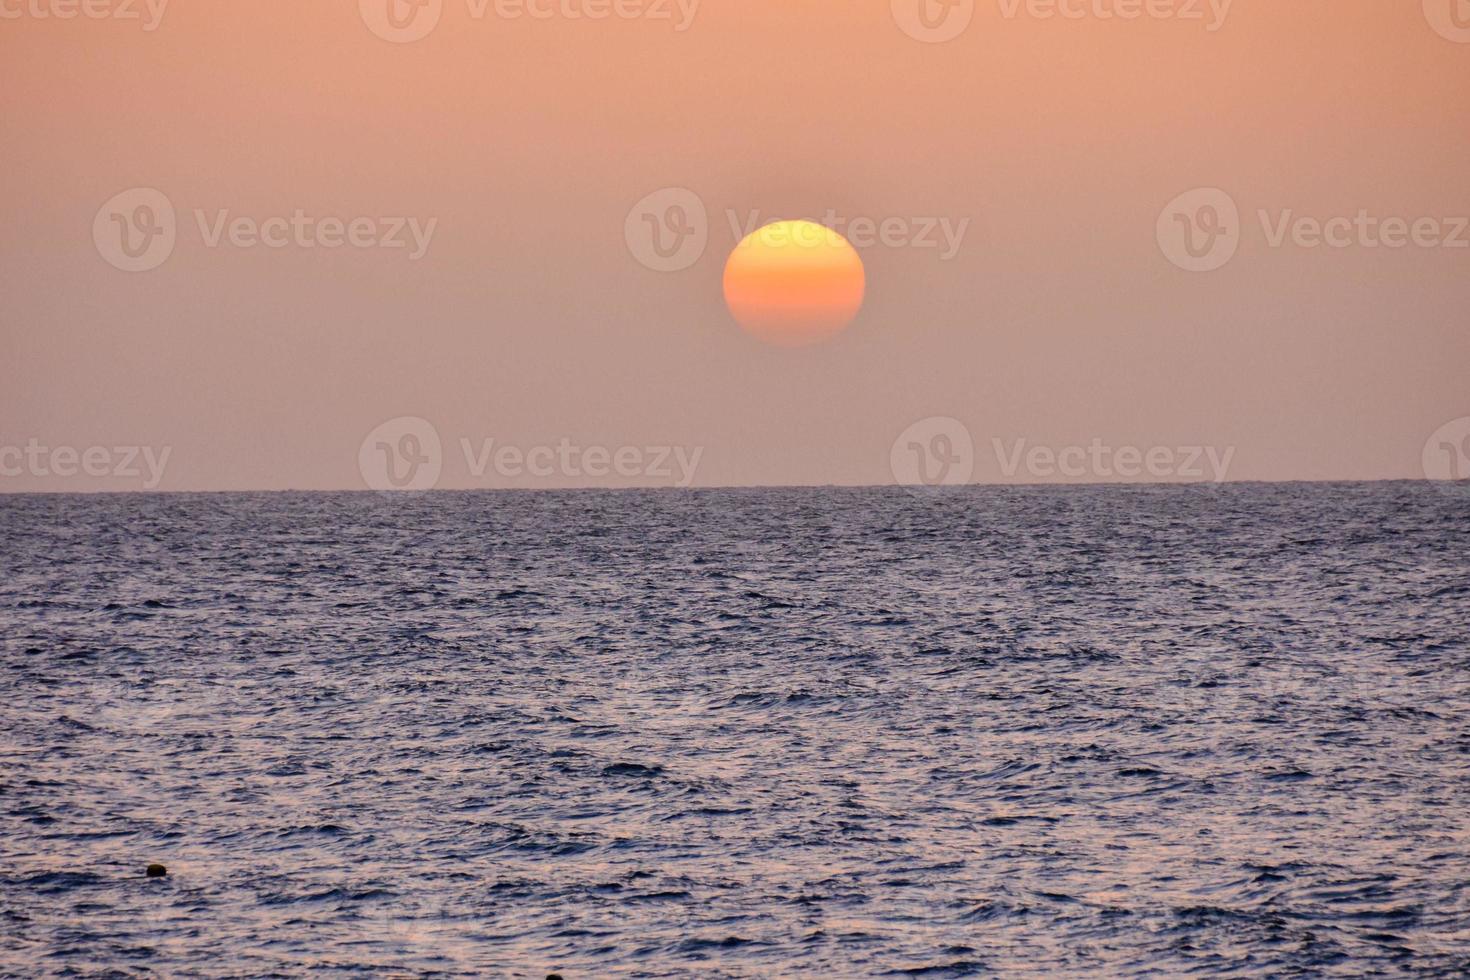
(738,733)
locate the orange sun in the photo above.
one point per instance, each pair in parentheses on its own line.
(794,283)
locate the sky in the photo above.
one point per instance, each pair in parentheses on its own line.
(1157,240)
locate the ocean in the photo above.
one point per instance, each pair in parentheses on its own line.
(1047,731)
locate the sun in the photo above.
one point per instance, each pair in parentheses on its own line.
(794,283)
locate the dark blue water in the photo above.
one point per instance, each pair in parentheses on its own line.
(832,733)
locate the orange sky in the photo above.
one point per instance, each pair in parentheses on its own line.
(1058,320)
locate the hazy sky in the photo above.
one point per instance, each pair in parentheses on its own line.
(1026,286)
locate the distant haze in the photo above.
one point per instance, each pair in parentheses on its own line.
(1012,185)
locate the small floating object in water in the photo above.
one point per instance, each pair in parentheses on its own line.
(553,976)
(156,871)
